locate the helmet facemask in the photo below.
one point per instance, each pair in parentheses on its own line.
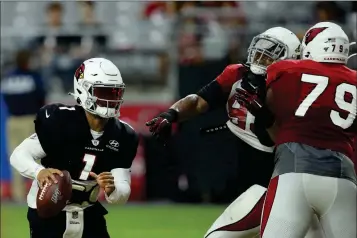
(263,51)
(99,87)
(352,55)
(104,100)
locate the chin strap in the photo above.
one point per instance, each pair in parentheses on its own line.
(355,54)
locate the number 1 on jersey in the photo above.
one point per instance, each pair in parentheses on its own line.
(89,160)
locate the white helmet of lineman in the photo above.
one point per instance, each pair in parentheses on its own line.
(99,87)
(326,42)
(277,43)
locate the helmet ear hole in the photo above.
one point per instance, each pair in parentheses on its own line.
(79,101)
(79,91)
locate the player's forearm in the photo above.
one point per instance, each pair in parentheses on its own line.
(121,193)
(24,157)
(189,107)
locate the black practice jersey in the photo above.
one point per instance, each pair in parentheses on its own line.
(65,136)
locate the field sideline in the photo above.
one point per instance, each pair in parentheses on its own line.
(131,221)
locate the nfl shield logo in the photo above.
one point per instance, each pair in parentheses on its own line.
(95,142)
(74,215)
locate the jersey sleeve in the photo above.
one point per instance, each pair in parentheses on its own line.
(216,93)
(131,143)
(131,150)
(230,75)
(48,128)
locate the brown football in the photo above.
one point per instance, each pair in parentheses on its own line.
(51,199)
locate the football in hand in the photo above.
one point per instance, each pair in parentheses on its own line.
(51,199)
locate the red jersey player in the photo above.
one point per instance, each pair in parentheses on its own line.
(242,218)
(314,104)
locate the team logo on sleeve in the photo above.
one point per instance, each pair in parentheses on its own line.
(79,74)
(311,34)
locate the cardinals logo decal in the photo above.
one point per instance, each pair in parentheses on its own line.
(311,34)
(79,74)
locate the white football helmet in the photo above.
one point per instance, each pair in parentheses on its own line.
(326,42)
(99,87)
(277,43)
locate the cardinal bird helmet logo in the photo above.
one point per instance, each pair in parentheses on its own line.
(311,34)
(79,74)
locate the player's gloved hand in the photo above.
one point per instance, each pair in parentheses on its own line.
(47,176)
(161,126)
(105,180)
(249,100)
(252,83)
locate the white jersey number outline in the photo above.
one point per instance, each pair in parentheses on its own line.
(321,85)
(249,118)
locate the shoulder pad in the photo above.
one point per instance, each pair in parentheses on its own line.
(55,110)
(238,68)
(231,74)
(48,126)
(275,70)
(126,127)
(47,111)
(283,64)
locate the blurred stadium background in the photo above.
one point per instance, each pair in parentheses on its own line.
(164,50)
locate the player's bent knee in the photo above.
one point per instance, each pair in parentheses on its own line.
(253,233)
(247,203)
(242,217)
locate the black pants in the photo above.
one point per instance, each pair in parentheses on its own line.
(254,166)
(54,227)
(244,166)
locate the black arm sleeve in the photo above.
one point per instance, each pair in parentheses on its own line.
(263,120)
(213,94)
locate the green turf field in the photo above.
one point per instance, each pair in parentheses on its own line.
(131,221)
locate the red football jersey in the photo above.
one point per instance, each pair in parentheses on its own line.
(228,80)
(314,103)
(241,121)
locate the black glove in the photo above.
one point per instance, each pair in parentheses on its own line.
(254,84)
(255,106)
(249,100)
(161,126)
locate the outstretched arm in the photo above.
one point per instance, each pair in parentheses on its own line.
(189,107)
(208,97)
(214,94)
